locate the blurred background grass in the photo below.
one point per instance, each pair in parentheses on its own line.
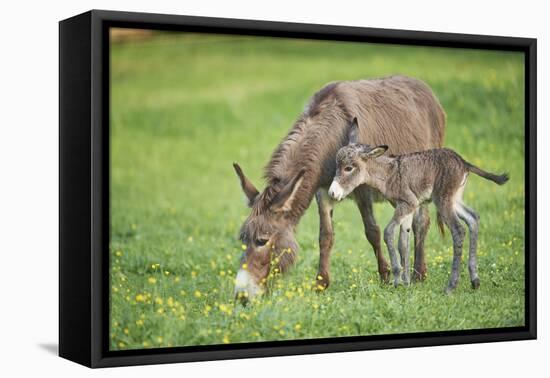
(185,106)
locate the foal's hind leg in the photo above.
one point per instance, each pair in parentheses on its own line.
(472,220)
(420,226)
(457,232)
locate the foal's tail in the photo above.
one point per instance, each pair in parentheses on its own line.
(499,179)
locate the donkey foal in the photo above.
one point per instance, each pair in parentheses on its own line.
(408,181)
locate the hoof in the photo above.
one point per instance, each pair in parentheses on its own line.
(384,275)
(419,276)
(449,289)
(405,279)
(475,283)
(322,282)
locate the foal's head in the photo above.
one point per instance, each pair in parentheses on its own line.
(351,164)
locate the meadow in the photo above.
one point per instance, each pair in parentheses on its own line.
(185,106)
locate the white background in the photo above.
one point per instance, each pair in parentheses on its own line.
(29,186)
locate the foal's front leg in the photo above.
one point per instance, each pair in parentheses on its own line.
(402,211)
(403,246)
(420,226)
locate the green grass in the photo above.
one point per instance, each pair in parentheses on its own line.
(184,107)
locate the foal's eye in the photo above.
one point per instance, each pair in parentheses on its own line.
(261,242)
(349,168)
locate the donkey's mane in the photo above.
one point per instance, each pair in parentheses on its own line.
(306,146)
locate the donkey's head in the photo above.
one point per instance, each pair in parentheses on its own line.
(351,164)
(267,234)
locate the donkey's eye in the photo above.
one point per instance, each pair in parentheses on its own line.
(349,168)
(261,242)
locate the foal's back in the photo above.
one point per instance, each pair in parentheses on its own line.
(432,174)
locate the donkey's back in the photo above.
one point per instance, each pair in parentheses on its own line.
(399,111)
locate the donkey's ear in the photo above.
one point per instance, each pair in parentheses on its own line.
(284,200)
(249,189)
(353,133)
(375,152)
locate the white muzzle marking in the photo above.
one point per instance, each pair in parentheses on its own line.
(336,191)
(244,283)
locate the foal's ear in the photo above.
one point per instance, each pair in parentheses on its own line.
(249,189)
(353,133)
(375,152)
(284,200)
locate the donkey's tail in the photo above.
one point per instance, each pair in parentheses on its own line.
(499,179)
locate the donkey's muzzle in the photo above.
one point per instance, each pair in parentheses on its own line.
(245,286)
(241,297)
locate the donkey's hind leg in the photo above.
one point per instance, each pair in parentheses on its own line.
(471,218)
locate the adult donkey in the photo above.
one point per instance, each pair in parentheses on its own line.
(398,111)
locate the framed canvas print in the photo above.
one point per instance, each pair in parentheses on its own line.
(234,188)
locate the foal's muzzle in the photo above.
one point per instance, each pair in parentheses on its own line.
(336,191)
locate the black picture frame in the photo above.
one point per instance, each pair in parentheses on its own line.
(84,187)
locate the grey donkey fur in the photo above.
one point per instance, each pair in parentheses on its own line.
(408,181)
(399,111)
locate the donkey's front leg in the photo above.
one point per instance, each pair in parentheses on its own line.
(326,237)
(363,197)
